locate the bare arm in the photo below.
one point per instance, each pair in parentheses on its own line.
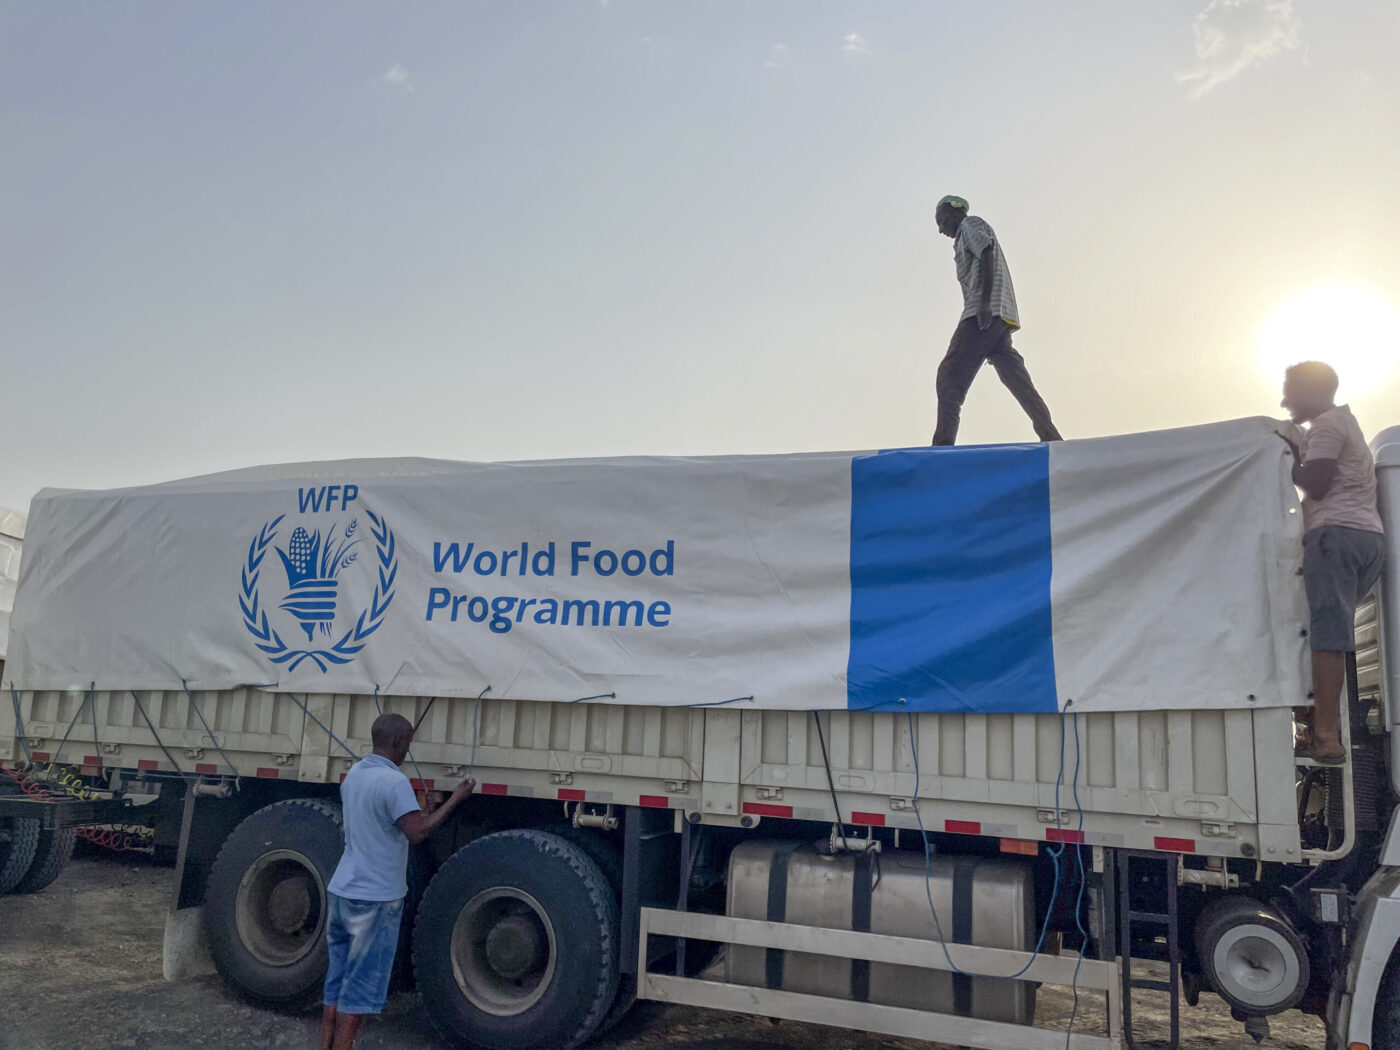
(418,826)
(1315,477)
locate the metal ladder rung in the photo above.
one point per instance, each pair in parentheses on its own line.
(1150,984)
(1149,916)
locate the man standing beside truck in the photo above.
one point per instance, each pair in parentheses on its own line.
(1343,538)
(366,893)
(983,333)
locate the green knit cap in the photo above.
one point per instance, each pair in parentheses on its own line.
(953,202)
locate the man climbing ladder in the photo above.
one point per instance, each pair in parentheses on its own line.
(984,331)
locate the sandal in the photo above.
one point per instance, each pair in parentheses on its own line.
(1323,758)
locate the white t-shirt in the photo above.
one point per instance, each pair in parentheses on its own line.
(374,866)
(974,236)
(1351,501)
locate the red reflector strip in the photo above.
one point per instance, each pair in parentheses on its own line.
(765,809)
(269,772)
(963,827)
(205,767)
(91,760)
(494,789)
(40,756)
(147,763)
(1174,845)
(420,785)
(571,794)
(876,819)
(1063,835)
(1021,846)
(655,801)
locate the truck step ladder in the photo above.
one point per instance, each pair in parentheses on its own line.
(1130,920)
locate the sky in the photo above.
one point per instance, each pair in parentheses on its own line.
(266,232)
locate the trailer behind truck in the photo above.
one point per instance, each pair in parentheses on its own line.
(886,741)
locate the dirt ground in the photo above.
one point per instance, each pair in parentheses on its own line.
(80,967)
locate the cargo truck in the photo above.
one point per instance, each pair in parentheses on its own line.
(888,741)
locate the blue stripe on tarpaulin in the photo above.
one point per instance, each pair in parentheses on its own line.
(950,580)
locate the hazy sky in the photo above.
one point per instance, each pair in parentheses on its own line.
(256,232)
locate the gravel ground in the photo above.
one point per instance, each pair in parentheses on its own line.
(80,966)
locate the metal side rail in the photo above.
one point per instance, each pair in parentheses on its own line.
(1092,975)
(66,812)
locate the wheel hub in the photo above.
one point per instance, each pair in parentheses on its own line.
(281,907)
(289,904)
(503,951)
(515,946)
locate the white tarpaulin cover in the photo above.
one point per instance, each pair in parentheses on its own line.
(1142,572)
(11,539)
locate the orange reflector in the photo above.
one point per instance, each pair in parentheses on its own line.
(1022,846)
(1359,1046)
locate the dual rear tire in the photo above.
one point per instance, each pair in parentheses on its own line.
(515,943)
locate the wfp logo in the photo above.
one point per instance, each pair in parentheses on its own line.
(324,569)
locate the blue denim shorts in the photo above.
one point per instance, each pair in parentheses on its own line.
(362,936)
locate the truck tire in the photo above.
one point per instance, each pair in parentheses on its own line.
(266,903)
(417,876)
(609,861)
(50,857)
(516,944)
(19,841)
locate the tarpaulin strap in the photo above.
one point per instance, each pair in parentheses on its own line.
(19,726)
(862,892)
(71,723)
(92,699)
(777,909)
(152,728)
(476,728)
(307,711)
(213,739)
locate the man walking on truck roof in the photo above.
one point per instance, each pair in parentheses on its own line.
(1343,538)
(984,332)
(382,817)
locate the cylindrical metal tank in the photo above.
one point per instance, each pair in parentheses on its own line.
(987,901)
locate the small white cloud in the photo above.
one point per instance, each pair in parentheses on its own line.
(780,57)
(648,40)
(854,48)
(1232,35)
(395,78)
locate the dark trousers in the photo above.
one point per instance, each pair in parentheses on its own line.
(970,347)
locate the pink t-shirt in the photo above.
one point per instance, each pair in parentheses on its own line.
(1351,501)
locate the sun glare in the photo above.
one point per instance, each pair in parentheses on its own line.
(1353,329)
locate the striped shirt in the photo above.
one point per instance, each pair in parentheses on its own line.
(973,238)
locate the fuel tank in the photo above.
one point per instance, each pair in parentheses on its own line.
(987,901)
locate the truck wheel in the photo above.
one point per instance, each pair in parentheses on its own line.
(516,943)
(19,840)
(50,857)
(266,904)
